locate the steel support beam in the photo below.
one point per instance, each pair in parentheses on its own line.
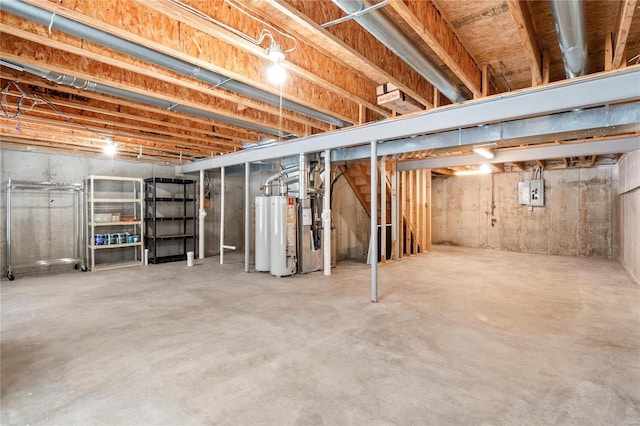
(613,87)
(580,124)
(598,147)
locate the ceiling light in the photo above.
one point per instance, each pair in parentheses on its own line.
(483,170)
(485,152)
(276,74)
(275,53)
(110,148)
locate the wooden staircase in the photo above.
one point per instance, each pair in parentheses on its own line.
(412,195)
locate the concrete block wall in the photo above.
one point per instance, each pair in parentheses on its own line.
(42,224)
(628,199)
(578,218)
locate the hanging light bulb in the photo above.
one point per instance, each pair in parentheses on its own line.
(275,53)
(276,72)
(110,148)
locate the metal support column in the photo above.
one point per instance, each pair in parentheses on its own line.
(374,221)
(201,215)
(383,209)
(247,217)
(221,215)
(326,213)
(8,247)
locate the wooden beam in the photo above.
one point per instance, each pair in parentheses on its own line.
(418,217)
(362,114)
(404,226)
(608,52)
(625,17)
(394,208)
(347,43)
(425,20)
(592,161)
(63,42)
(442,171)
(162,34)
(93,101)
(524,24)
(545,67)
(436,97)
(303,61)
(498,167)
(413,190)
(125,128)
(68,134)
(541,163)
(69,63)
(519,165)
(485,80)
(428,212)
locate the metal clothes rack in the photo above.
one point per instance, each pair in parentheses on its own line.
(77,190)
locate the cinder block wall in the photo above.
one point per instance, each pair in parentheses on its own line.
(578,218)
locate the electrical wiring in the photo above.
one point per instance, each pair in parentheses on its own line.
(37,99)
(290,37)
(264,33)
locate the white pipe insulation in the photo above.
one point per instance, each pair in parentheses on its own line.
(202,214)
(326,213)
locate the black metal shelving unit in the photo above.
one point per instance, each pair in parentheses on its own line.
(171,216)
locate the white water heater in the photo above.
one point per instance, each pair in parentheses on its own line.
(282,233)
(262,248)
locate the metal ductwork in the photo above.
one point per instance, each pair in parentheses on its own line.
(388,33)
(60,23)
(92,86)
(568,16)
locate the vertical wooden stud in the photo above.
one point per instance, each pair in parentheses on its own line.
(485,80)
(394,209)
(608,52)
(403,213)
(428,204)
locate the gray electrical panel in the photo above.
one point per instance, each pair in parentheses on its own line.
(531,193)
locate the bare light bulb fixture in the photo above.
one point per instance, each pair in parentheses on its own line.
(483,170)
(485,150)
(110,148)
(276,72)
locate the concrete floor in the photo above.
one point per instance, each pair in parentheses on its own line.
(460,336)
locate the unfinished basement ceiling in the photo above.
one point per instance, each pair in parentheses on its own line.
(223,100)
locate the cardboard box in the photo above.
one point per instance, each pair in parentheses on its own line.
(399,102)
